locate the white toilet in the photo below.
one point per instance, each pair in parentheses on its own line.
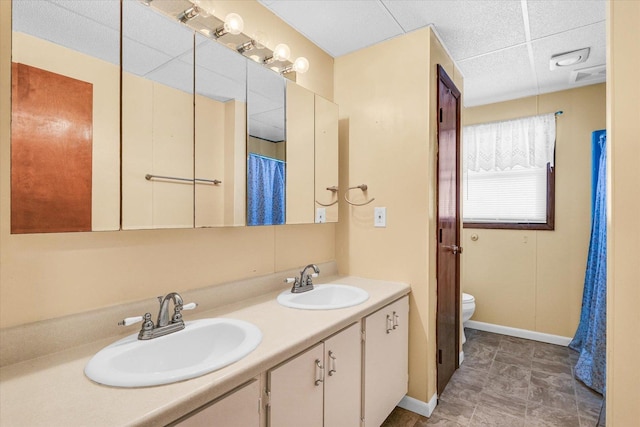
(468,307)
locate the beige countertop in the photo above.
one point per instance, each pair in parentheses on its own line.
(52,390)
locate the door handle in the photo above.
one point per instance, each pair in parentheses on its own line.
(454,249)
(319,373)
(333,366)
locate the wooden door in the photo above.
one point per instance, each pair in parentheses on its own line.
(342,385)
(385,360)
(51,151)
(448,264)
(297,391)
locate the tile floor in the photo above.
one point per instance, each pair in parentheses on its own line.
(510,382)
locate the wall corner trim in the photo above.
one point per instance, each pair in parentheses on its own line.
(418,406)
(520,333)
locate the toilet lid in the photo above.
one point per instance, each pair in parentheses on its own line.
(467,298)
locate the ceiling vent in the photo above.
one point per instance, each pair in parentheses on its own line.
(590,74)
(568,59)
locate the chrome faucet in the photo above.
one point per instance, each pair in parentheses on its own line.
(304,283)
(165,324)
(163,314)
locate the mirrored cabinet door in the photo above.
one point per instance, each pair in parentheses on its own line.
(65,149)
(157,119)
(300,154)
(266,146)
(326,160)
(220,135)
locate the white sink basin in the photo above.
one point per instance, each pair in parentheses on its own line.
(201,347)
(324,297)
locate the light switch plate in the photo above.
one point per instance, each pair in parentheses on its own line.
(321,215)
(379,217)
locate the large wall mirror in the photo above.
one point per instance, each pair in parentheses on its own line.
(266,146)
(65,132)
(220,135)
(157,119)
(197,136)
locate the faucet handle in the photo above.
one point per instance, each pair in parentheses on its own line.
(290,280)
(128,321)
(190,306)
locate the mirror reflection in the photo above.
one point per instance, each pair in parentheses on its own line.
(65,116)
(266,162)
(157,119)
(220,135)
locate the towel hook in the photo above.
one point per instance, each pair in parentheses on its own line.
(363,187)
(333,190)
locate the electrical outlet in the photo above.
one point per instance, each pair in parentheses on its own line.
(321,215)
(379,217)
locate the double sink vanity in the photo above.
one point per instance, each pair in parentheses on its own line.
(331,356)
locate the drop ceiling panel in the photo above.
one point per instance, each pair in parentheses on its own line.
(59,25)
(176,74)
(498,76)
(468,28)
(338,27)
(156,31)
(592,36)
(221,60)
(552,17)
(104,12)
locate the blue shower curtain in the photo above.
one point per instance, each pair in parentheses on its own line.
(590,338)
(265,190)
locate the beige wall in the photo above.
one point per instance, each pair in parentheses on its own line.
(386,95)
(534,279)
(46,276)
(623,268)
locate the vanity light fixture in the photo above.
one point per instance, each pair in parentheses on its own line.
(259,41)
(233,24)
(280,53)
(569,58)
(189,14)
(300,65)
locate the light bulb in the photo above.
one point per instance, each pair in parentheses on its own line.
(301,65)
(281,52)
(233,23)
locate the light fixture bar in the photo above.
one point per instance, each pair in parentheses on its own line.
(189,14)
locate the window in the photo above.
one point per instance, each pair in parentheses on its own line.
(508,174)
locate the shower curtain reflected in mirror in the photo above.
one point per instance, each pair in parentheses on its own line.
(590,338)
(265,190)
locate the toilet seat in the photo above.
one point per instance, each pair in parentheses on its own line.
(467,298)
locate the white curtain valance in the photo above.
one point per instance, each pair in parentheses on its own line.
(528,142)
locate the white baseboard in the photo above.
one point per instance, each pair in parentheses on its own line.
(418,406)
(520,333)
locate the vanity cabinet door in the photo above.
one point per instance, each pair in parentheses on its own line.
(239,408)
(343,374)
(385,360)
(296,389)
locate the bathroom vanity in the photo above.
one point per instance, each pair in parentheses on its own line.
(312,368)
